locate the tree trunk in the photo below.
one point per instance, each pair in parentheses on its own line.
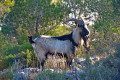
(36,27)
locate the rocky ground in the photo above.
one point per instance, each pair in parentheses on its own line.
(77,68)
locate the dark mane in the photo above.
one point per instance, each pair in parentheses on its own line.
(66,37)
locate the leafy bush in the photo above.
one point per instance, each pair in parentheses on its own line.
(12,49)
(6,76)
(26,59)
(6,61)
(15,49)
(8,29)
(103,69)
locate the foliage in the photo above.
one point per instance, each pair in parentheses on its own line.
(51,76)
(99,70)
(30,16)
(109,15)
(6,76)
(5,7)
(59,30)
(20,18)
(25,57)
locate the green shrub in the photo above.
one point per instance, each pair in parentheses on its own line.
(12,49)
(15,49)
(6,61)
(26,59)
(7,76)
